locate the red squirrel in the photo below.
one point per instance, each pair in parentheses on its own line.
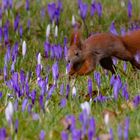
(83,56)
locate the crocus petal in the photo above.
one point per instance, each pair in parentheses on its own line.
(129,8)
(24,104)
(64,135)
(42,135)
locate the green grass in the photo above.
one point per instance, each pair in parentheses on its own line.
(51,120)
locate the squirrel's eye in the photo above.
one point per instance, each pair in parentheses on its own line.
(76,53)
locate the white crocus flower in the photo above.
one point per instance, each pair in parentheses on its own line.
(23,49)
(86,106)
(39,59)
(56,31)
(9,112)
(74,91)
(73,20)
(106,119)
(48,31)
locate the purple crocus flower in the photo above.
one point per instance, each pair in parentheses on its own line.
(8,53)
(4,4)
(24,104)
(136,100)
(30,108)
(46,48)
(16,126)
(33,96)
(71,121)
(137,57)
(63,102)
(38,70)
(10,4)
(50,92)
(5,72)
(20,31)
(115,61)
(119,132)
(76,134)
(111,134)
(90,87)
(129,7)
(62,89)
(35,116)
(126,128)
(51,10)
(99,9)
(101,98)
(6,34)
(113,29)
(13,67)
(1,34)
(52,53)
(42,135)
(15,51)
(68,66)
(0,95)
(91,129)
(64,135)
(65,47)
(125,92)
(16,22)
(41,102)
(27,5)
(83,10)
(123,31)
(116,88)
(97,78)
(93,9)
(27,88)
(0,14)
(83,118)
(67,90)
(2,133)
(15,105)
(55,71)
(22,77)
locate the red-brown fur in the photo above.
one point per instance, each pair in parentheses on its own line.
(99,49)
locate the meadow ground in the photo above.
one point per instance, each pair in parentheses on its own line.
(32,107)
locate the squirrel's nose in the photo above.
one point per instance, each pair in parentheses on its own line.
(68,61)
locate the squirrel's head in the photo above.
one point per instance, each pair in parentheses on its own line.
(75,53)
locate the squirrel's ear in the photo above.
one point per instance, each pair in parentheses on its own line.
(75,38)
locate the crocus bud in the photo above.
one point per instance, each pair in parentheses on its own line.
(86,106)
(23,49)
(73,20)
(48,31)
(39,59)
(9,112)
(56,31)
(74,91)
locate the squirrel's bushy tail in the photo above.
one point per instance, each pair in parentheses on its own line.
(132,41)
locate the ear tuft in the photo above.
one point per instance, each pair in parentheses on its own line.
(75,38)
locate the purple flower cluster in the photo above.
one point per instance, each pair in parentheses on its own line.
(117,84)
(54,51)
(54,10)
(96,7)
(88,128)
